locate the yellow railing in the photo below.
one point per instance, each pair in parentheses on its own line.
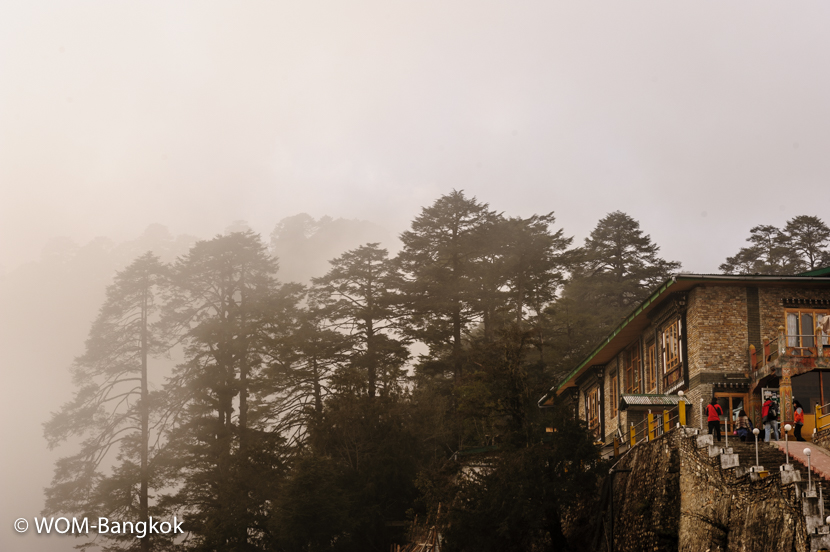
(822,416)
(654,425)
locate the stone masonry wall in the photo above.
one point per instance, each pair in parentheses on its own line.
(721,513)
(677,498)
(772,311)
(647,500)
(697,418)
(717,329)
(822,437)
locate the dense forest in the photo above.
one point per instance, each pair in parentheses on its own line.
(331,415)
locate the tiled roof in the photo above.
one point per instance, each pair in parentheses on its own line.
(648,400)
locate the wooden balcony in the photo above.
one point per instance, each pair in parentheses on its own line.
(788,351)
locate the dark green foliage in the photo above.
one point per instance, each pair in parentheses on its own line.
(616,269)
(293,422)
(311,513)
(441,258)
(618,265)
(230,312)
(768,254)
(517,499)
(357,298)
(302,371)
(803,244)
(365,460)
(808,238)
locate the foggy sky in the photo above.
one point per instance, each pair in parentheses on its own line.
(700,120)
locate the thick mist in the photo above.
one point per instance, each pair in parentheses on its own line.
(323,126)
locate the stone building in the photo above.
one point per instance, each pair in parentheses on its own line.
(730,337)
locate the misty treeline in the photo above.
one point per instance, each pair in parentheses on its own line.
(327,416)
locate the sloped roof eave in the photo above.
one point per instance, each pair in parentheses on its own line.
(688,281)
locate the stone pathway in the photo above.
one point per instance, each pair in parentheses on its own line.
(819,458)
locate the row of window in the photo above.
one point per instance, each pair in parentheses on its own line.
(672,364)
(800,332)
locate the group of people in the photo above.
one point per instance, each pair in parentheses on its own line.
(744,427)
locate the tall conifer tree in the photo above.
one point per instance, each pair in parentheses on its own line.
(228,307)
(357,292)
(441,254)
(112,405)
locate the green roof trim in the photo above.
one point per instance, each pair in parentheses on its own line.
(825,271)
(617,330)
(819,274)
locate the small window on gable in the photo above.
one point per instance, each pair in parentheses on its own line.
(672,354)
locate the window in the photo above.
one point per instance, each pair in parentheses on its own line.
(631,358)
(801,327)
(651,370)
(672,355)
(615,395)
(593,411)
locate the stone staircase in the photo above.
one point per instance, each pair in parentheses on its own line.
(742,457)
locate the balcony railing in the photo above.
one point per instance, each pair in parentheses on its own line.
(807,345)
(654,424)
(822,416)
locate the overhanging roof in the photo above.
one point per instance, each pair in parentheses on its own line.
(627,400)
(633,324)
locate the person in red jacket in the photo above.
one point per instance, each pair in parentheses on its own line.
(714,412)
(798,418)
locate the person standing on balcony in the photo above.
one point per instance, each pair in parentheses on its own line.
(798,418)
(770,414)
(714,412)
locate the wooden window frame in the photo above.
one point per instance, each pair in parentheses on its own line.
(592,405)
(631,358)
(651,368)
(672,354)
(615,394)
(804,338)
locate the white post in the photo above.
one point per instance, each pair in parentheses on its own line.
(756,432)
(726,427)
(787,429)
(807,453)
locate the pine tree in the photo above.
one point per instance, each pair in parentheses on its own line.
(808,240)
(440,258)
(301,369)
(803,244)
(621,262)
(769,253)
(229,309)
(357,296)
(112,405)
(616,269)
